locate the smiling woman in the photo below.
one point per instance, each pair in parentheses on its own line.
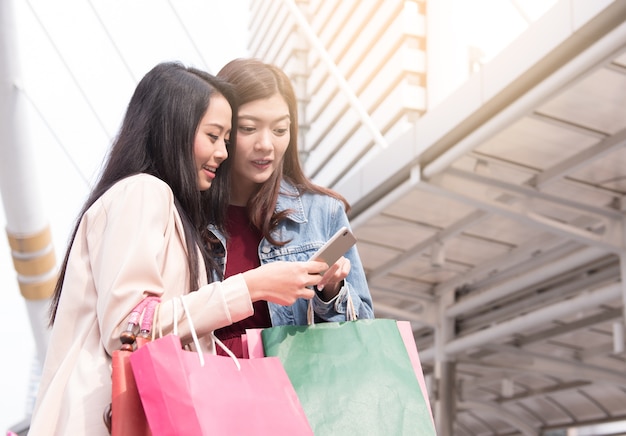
(149,194)
(212,137)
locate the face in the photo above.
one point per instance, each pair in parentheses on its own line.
(262,139)
(212,137)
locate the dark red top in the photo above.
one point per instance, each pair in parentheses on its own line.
(242,255)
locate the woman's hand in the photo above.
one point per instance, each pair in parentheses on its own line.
(330,285)
(284,282)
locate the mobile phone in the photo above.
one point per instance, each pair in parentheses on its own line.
(336,246)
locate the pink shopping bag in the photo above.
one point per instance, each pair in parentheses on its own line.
(180,396)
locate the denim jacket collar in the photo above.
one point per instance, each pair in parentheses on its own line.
(290,198)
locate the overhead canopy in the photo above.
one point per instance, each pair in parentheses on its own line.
(497,226)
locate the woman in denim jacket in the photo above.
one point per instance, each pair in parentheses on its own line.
(276,212)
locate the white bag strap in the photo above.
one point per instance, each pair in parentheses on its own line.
(175,317)
(310,316)
(350,310)
(192,329)
(156,322)
(196,341)
(225,348)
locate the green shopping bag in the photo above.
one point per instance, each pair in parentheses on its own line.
(352,377)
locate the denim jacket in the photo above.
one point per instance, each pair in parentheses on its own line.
(314,218)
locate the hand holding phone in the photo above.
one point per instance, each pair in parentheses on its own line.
(336,246)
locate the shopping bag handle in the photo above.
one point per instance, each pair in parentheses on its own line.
(194,335)
(350,310)
(142,315)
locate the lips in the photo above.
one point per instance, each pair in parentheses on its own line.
(262,164)
(210,171)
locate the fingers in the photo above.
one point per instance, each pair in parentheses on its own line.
(307,293)
(316,267)
(313,279)
(336,272)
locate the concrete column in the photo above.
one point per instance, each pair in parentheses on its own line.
(445,371)
(27,228)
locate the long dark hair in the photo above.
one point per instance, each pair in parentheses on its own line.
(253,80)
(157,138)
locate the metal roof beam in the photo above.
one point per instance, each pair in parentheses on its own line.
(531,278)
(561,367)
(482,338)
(584,158)
(530,194)
(611,240)
(500,412)
(441,236)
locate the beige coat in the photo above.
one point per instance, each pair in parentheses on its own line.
(129,243)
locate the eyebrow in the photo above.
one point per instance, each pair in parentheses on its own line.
(253,118)
(217,125)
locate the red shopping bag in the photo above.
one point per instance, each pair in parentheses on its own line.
(125,415)
(191,393)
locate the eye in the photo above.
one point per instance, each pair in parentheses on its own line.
(281,132)
(213,137)
(227,142)
(247,129)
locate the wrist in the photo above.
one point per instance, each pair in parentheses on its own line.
(251,278)
(329,291)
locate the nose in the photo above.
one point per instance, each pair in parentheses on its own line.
(264,140)
(221,152)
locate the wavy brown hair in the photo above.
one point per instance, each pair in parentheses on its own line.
(253,80)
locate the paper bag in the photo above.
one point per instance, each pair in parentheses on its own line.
(353,377)
(182,397)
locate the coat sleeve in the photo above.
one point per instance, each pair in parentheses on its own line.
(130,239)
